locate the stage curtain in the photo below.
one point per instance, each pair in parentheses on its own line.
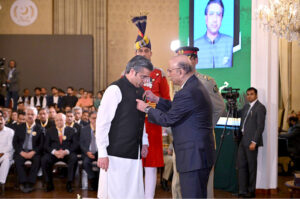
(85,17)
(264,76)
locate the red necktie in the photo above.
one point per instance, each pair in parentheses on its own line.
(60,136)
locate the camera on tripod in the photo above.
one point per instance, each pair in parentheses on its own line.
(230,94)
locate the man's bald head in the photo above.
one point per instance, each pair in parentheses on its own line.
(60,120)
(183,62)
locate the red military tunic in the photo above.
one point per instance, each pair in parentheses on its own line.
(159,86)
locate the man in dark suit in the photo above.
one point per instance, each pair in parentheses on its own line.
(70,121)
(190,117)
(69,99)
(28,144)
(61,143)
(43,119)
(12,85)
(252,126)
(54,100)
(77,111)
(89,150)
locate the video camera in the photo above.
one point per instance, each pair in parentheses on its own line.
(230,94)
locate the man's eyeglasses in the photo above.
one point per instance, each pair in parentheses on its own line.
(170,70)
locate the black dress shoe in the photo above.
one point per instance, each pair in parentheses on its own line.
(164,184)
(2,188)
(29,186)
(24,188)
(69,187)
(93,184)
(250,195)
(49,187)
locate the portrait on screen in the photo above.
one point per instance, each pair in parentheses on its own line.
(213,33)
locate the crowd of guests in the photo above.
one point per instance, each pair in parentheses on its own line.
(47,129)
(61,100)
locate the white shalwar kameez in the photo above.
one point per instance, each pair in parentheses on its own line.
(124,177)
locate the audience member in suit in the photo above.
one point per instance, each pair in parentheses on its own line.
(26,98)
(61,144)
(12,85)
(55,100)
(85,117)
(38,100)
(28,144)
(21,106)
(77,111)
(13,119)
(252,126)
(20,120)
(43,119)
(70,121)
(190,118)
(89,150)
(69,99)
(6,150)
(293,137)
(7,115)
(52,113)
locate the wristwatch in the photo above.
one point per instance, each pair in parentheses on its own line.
(147,109)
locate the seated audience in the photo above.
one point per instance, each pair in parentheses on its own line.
(43,119)
(26,98)
(20,120)
(61,93)
(52,113)
(6,150)
(293,137)
(28,144)
(97,101)
(38,100)
(85,117)
(89,150)
(55,100)
(21,106)
(69,99)
(85,101)
(61,144)
(80,93)
(70,121)
(6,115)
(77,111)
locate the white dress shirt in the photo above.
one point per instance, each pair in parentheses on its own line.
(6,137)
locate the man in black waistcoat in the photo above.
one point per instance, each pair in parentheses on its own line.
(61,143)
(28,144)
(120,135)
(89,150)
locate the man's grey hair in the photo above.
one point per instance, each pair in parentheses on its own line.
(32,109)
(62,115)
(76,108)
(137,63)
(187,67)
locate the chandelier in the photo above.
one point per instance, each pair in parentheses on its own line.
(282,18)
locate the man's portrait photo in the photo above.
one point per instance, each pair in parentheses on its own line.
(215,46)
